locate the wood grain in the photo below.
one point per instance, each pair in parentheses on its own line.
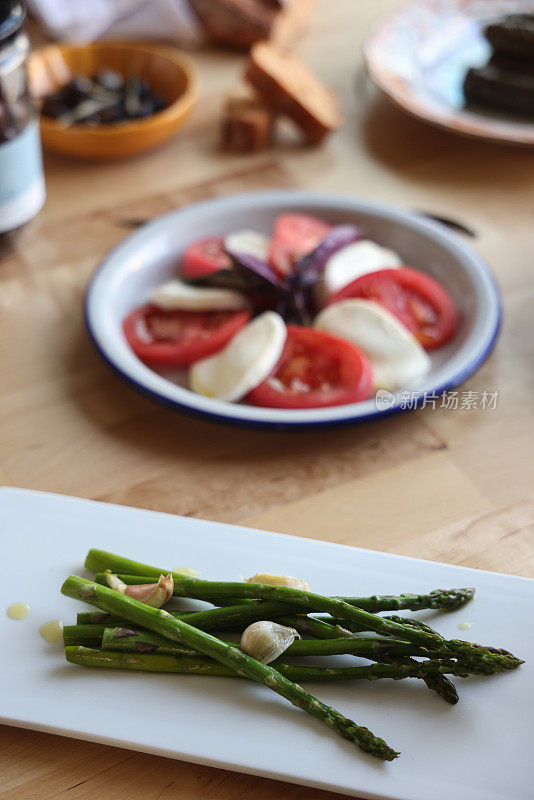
(452,486)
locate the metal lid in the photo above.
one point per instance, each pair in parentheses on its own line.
(12,16)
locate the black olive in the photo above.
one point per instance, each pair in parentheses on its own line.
(105,99)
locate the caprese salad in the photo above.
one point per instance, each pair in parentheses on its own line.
(316,315)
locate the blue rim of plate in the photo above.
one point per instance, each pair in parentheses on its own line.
(212,416)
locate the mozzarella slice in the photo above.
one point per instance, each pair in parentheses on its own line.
(355,260)
(179,296)
(244,363)
(248,241)
(396,356)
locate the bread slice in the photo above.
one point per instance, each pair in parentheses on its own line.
(498,89)
(513,35)
(247,124)
(289,87)
(235,23)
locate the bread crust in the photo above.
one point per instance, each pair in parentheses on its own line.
(289,88)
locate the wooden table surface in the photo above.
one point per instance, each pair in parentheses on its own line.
(449,485)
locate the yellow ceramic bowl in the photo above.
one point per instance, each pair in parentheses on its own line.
(169,72)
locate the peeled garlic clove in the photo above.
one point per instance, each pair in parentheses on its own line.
(265,640)
(151,594)
(278,580)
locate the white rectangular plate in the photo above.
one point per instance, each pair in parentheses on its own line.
(478,750)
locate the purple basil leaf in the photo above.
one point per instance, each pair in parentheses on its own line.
(301,305)
(223,279)
(255,270)
(288,310)
(311,266)
(248,273)
(293,304)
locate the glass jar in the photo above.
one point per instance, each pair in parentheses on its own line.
(22,187)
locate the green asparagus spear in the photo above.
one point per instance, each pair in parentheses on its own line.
(99,618)
(323,630)
(380,650)
(447,599)
(87,635)
(162,622)
(193,587)
(482,658)
(358,628)
(316,626)
(141,641)
(450,599)
(230,616)
(351,627)
(198,665)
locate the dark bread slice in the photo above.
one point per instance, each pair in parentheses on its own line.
(514,66)
(247,124)
(513,35)
(289,87)
(505,91)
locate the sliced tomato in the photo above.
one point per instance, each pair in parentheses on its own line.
(179,338)
(416,299)
(315,370)
(294,236)
(204,257)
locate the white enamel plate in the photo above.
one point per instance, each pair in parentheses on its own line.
(151,255)
(479,749)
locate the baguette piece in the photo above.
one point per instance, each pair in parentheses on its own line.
(288,87)
(247,124)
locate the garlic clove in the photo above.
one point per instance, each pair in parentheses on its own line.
(265,640)
(151,594)
(278,580)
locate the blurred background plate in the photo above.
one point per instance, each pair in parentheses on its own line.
(418,57)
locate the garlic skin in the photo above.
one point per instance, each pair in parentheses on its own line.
(265,640)
(151,594)
(278,580)
(114,582)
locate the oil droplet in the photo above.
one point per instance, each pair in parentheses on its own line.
(18,610)
(188,572)
(464,626)
(52,631)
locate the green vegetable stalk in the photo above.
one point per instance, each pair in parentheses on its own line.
(163,623)
(482,659)
(200,665)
